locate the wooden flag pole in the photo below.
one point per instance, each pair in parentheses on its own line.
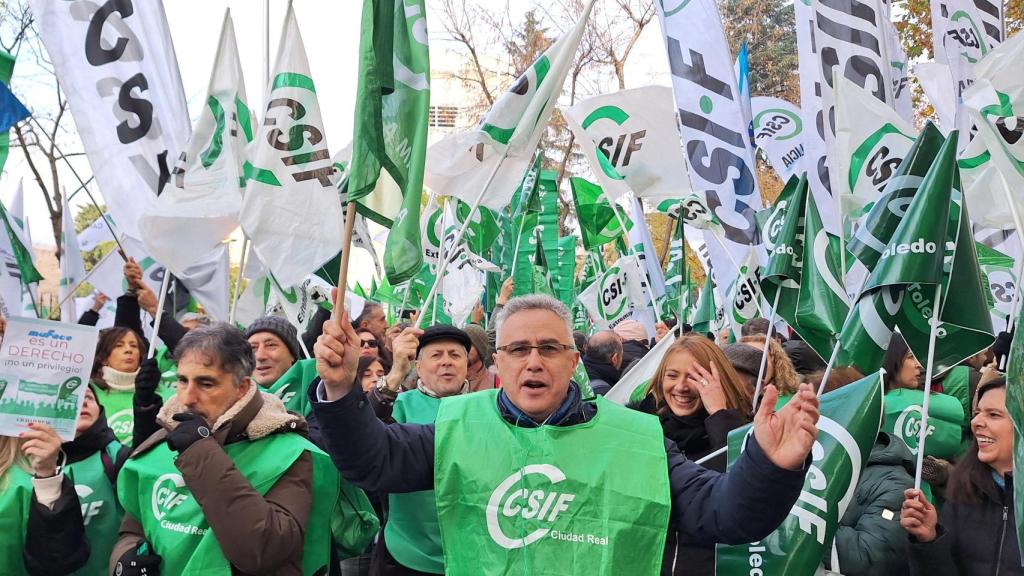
(936,305)
(346,250)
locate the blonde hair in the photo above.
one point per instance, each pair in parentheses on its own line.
(786,379)
(10,456)
(705,352)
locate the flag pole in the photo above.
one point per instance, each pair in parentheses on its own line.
(704,459)
(632,252)
(764,353)
(838,346)
(120,248)
(346,251)
(84,279)
(927,384)
(238,279)
(442,264)
(1011,321)
(159,313)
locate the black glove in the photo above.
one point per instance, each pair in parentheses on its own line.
(138,562)
(146,382)
(191,428)
(1001,348)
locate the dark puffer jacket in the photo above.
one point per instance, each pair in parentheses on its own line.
(869,539)
(974,539)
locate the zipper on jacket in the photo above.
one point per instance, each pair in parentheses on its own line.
(1002,538)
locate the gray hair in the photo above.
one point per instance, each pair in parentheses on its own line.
(221,343)
(533,302)
(200,319)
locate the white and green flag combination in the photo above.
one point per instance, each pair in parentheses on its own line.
(779,133)
(632,144)
(199,207)
(617,294)
(291,209)
(850,419)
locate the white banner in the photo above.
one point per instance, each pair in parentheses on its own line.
(44,372)
(714,130)
(115,62)
(779,133)
(631,140)
(614,296)
(816,163)
(200,207)
(291,209)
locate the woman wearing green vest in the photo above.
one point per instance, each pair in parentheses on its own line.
(699,398)
(903,403)
(229,485)
(115,367)
(40,516)
(411,543)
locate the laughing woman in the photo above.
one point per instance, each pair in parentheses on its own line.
(975,532)
(699,399)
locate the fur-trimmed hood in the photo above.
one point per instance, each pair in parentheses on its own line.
(256,415)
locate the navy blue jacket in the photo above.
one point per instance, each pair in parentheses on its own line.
(742,506)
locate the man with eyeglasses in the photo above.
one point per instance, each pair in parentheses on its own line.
(531,476)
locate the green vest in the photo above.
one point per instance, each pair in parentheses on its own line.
(101,512)
(119,410)
(152,491)
(957,384)
(168,374)
(587,499)
(15,501)
(945,418)
(293,385)
(411,533)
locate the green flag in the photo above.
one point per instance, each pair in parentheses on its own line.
(1015,406)
(677,278)
(598,224)
(783,236)
(822,306)
(708,317)
(849,423)
(541,273)
(22,253)
(872,237)
(390,132)
(932,244)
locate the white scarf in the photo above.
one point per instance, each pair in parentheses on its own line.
(119,381)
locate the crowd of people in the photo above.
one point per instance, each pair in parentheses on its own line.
(399,450)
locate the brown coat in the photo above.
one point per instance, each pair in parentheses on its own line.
(259,535)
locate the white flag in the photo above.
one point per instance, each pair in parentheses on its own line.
(292,211)
(631,140)
(200,206)
(96,233)
(714,128)
(463,286)
(614,296)
(643,247)
(461,164)
(636,380)
(937,83)
(779,133)
(871,141)
(115,62)
(72,268)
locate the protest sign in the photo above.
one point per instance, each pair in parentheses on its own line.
(44,371)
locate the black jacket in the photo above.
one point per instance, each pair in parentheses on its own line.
(128,314)
(633,350)
(55,541)
(743,506)
(973,539)
(695,436)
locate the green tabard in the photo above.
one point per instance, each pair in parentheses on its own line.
(119,411)
(515,500)
(957,384)
(293,385)
(15,501)
(411,533)
(101,512)
(152,491)
(168,374)
(945,417)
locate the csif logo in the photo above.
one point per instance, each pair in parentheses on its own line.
(536,504)
(169,492)
(89,509)
(611,289)
(918,246)
(908,426)
(778,124)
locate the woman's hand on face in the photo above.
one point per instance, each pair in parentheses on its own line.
(708,384)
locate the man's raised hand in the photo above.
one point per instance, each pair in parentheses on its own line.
(787,436)
(337,355)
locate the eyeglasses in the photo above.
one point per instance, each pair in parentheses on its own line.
(548,350)
(369,343)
